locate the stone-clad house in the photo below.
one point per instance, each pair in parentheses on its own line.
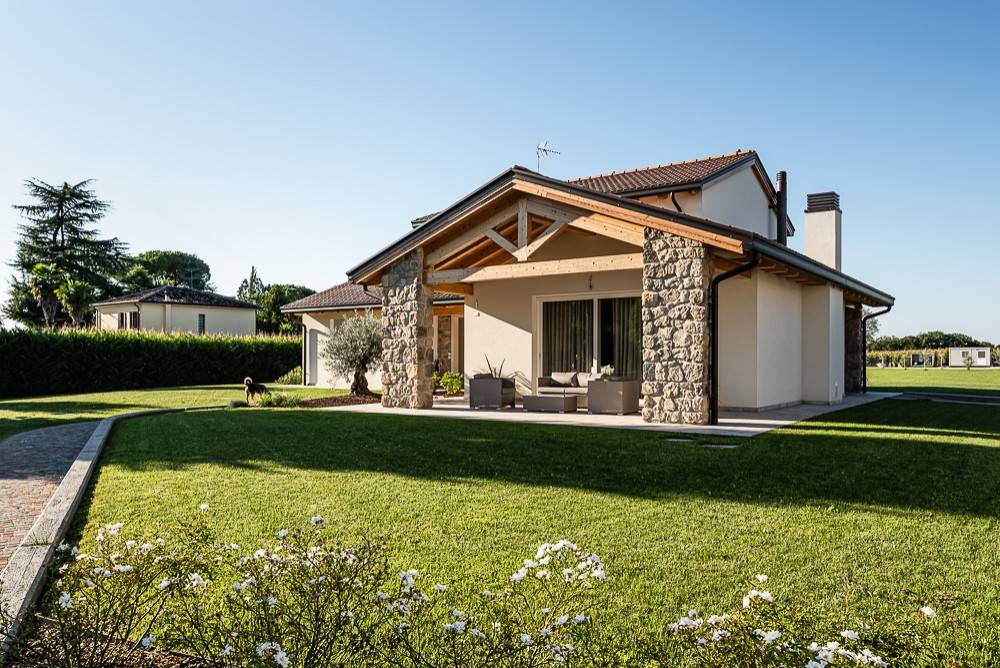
(677,274)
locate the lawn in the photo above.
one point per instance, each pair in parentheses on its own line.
(954,381)
(17,415)
(858,515)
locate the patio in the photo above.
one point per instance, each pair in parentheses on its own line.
(731,423)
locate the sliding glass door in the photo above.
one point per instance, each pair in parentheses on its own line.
(588,334)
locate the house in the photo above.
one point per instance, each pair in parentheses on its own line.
(678,275)
(173,308)
(321,311)
(980,356)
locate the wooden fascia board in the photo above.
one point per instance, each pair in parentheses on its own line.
(580,265)
(646,220)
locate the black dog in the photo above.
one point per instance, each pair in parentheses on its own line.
(254,389)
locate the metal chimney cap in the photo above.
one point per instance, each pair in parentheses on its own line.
(828,201)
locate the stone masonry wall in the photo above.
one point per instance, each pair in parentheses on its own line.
(676,278)
(854,365)
(407,347)
(444,361)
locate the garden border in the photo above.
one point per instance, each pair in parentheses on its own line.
(27,566)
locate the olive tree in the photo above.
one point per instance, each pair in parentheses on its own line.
(354,346)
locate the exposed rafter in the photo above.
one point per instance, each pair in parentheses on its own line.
(580,265)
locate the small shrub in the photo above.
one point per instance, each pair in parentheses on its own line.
(451,382)
(293,377)
(279,400)
(237,403)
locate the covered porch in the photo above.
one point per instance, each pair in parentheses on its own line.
(559,282)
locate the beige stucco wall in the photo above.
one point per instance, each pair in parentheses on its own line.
(738,200)
(177,318)
(779,341)
(822,344)
(738,342)
(689,201)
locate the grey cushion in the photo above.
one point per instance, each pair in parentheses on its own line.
(563,378)
(583,378)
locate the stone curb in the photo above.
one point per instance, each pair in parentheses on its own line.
(24,576)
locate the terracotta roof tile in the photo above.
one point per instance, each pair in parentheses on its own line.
(349,295)
(176,294)
(689,172)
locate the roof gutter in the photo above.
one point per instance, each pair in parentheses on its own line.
(795,260)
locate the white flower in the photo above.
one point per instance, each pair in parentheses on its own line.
(928,611)
(487,594)
(196,581)
(440,587)
(546,632)
(766,595)
(130,544)
(65,600)
(848,634)
(62,547)
(476,633)
(517,577)
(163,585)
(542,574)
(282,533)
(769,636)
(580,618)
(526,639)
(746,601)
(761,578)
(381,596)
(692,613)
(457,614)
(226,651)
(272,601)
(203,507)
(316,520)
(148,641)
(457,626)
(123,568)
(562,620)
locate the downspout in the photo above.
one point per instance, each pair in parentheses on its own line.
(304,338)
(864,345)
(713,340)
(673,198)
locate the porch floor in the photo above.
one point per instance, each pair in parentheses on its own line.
(731,423)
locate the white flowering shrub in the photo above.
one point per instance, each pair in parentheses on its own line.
(764,631)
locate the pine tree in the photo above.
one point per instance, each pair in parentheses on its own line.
(60,231)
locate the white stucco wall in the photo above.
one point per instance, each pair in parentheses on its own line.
(689,201)
(738,200)
(231,321)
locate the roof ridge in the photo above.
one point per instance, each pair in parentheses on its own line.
(706,158)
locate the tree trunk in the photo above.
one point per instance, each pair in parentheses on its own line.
(359,387)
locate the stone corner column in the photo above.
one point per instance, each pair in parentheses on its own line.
(407,346)
(676,277)
(854,365)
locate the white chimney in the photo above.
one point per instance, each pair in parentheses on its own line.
(822,222)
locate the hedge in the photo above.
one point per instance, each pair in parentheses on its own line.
(37,363)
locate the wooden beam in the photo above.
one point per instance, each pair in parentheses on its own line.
(522,223)
(705,236)
(449,309)
(579,265)
(471,235)
(457,288)
(591,222)
(547,234)
(500,241)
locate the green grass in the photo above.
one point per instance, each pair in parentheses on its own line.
(859,515)
(954,381)
(17,415)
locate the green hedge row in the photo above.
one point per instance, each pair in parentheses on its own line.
(36,363)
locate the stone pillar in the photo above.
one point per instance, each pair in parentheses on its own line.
(676,275)
(854,365)
(407,346)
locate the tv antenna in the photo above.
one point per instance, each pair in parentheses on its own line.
(543,149)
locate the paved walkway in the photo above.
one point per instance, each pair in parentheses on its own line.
(32,464)
(731,423)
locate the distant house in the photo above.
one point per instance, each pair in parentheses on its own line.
(321,312)
(174,309)
(980,356)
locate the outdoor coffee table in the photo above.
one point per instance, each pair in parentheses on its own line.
(550,403)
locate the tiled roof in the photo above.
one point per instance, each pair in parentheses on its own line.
(689,172)
(349,295)
(176,294)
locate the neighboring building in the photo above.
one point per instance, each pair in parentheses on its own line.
(173,308)
(980,356)
(628,269)
(320,313)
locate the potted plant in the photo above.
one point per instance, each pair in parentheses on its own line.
(491,389)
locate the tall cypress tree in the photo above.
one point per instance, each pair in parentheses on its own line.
(60,231)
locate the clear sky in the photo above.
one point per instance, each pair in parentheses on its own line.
(301,137)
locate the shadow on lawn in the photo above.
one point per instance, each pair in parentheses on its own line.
(20,416)
(832,460)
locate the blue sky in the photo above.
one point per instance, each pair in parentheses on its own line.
(302,137)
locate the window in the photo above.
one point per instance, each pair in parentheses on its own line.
(121,320)
(201,323)
(982,354)
(133,320)
(572,342)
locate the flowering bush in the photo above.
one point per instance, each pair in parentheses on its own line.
(764,632)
